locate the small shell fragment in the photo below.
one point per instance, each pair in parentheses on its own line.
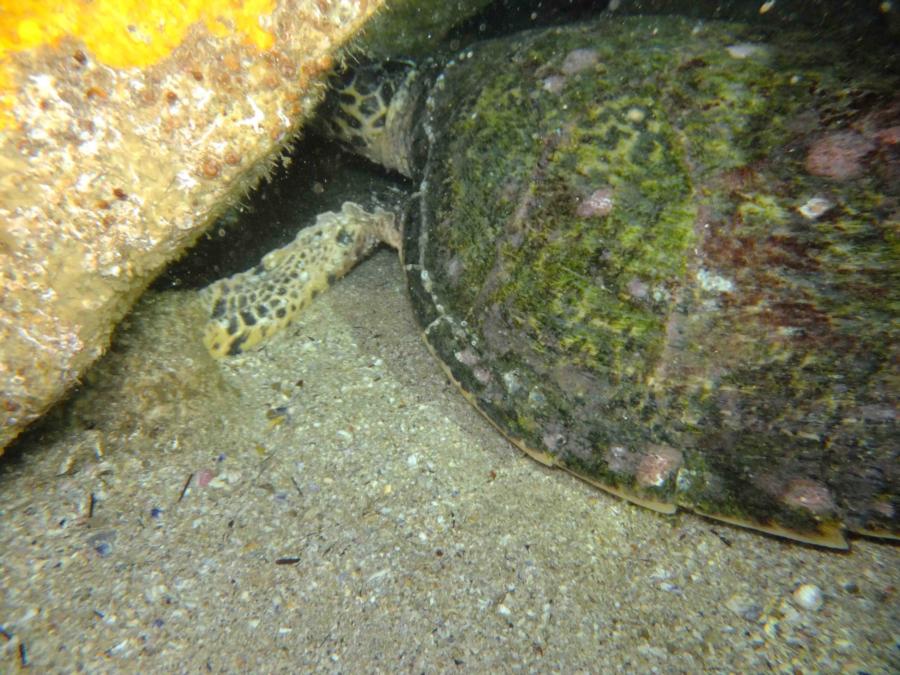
(808,596)
(815,207)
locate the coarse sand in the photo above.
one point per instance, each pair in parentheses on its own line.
(332,503)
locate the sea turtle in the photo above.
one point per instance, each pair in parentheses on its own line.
(660,254)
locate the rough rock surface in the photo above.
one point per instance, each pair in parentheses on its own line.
(125,128)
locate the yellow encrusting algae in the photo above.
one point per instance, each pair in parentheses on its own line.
(120,33)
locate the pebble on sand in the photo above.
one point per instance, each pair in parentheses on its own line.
(808,596)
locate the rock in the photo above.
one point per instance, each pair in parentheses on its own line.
(120,141)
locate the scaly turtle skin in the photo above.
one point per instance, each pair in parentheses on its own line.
(658,254)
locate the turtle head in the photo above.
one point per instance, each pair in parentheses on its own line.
(370,109)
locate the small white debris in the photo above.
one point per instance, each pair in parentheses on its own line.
(378,576)
(45,85)
(554,83)
(511,382)
(815,207)
(83,184)
(635,115)
(412,461)
(218,483)
(225,479)
(185,180)
(744,50)
(710,281)
(89,148)
(660,574)
(671,588)
(202,96)
(599,203)
(809,596)
(256,120)
(503,610)
(119,649)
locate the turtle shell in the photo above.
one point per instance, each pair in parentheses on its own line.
(663,255)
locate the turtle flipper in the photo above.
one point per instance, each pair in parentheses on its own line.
(249,307)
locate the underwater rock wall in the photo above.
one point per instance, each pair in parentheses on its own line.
(126,127)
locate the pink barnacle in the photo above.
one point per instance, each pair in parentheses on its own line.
(658,464)
(804,493)
(620,459)
(839,155)
(578,60)
(637,289)
(888,136)
(599,203)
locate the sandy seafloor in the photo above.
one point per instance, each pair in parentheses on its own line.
(347,511)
